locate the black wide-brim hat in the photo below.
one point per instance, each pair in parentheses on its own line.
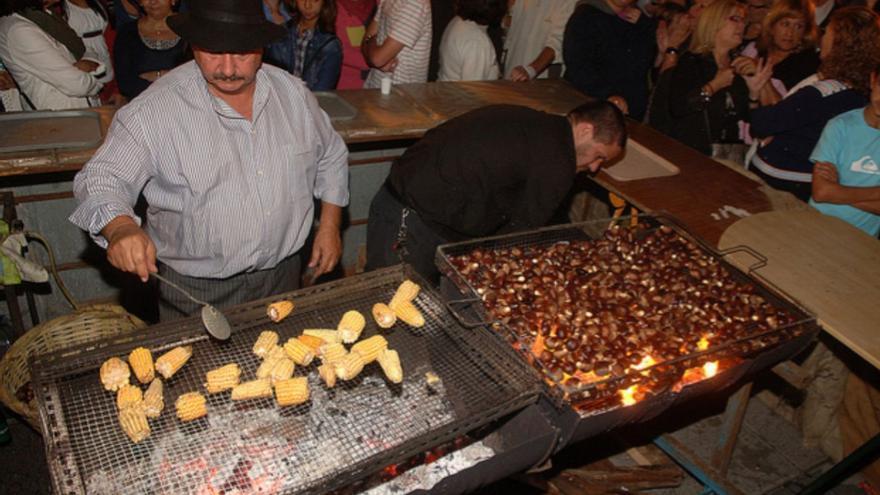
(226,25)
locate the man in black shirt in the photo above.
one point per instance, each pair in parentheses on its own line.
(494,170)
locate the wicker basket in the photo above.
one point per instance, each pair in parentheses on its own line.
(85,325)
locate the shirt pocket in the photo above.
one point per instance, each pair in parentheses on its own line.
(301,172)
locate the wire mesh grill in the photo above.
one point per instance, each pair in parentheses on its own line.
(599,396)
(340,435)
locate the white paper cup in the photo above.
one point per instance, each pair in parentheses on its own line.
(386,85)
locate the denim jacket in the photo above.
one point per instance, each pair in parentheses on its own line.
(323,57)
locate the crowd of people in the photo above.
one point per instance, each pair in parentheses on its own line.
(757,83)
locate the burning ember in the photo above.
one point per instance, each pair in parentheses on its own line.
(631,395)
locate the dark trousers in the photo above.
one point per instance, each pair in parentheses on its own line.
(420,243)
(225,292)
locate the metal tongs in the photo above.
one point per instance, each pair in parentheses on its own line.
(215,323)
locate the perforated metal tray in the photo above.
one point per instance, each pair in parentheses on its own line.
(35,131)
(340,435)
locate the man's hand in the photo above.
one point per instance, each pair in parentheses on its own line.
(129,248)
(86,65)
(6,81)
(826,185)
(519,74)
(825,171)
(326,250)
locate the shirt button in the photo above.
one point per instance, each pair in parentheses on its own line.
(259,172)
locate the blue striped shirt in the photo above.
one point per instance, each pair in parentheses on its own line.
(226,195)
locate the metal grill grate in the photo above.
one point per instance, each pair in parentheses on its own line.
(338,436)
(668,371)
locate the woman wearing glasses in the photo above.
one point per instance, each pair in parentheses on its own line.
(710,88)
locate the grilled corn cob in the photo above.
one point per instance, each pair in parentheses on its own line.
(278,311)
(331,353)
(191,406)
(292,391)
(141,362)
(313,342)
(265,342)
(154,400)
(300,353)
(327,335)
(370,348)
(351,326)
(328,374)
(277,352)
(406,292)
(114,374)
(170,363)
(349,366)
(134,423)
(129,396)
(253,389)
(222,378)
(383,315)
(282,370)
(389,360)
(265,369)
(409,314)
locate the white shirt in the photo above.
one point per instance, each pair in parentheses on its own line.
(85,20)
(43,67)
(409,22)
(466,53)
(535,24)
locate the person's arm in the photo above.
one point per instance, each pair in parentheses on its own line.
(688,83)
(404,29)
(331,187)
(328,64)
(32,52)
(106,190)
(790,113)
(827,189)
(535,68)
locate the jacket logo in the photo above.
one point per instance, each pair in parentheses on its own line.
(865,165)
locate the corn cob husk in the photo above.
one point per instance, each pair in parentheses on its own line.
(170,363)
(265,343)
(292,391)
(300,353)
(328,335)
(253,389)
(350,366)
(331,353)
(313,342)
(114,374)
(328,374)
(350,326)
(154,400)
(282,370)
(408,313)
(370,348)
(278,311)
(406,292)
(129,396)
(389,360)
(141,362)
(190,406)
(134,423)
(384,315)
(222,378)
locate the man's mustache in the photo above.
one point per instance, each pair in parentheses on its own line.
(223,77)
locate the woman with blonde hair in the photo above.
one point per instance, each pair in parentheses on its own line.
(850,50)
(788,42)
(710,88)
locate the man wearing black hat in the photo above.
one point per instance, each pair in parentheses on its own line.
(229,155)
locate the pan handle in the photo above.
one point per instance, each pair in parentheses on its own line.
(464,321)
(761,260)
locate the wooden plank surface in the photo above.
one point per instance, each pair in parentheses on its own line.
(824,263)
(383,117)
(702,187)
